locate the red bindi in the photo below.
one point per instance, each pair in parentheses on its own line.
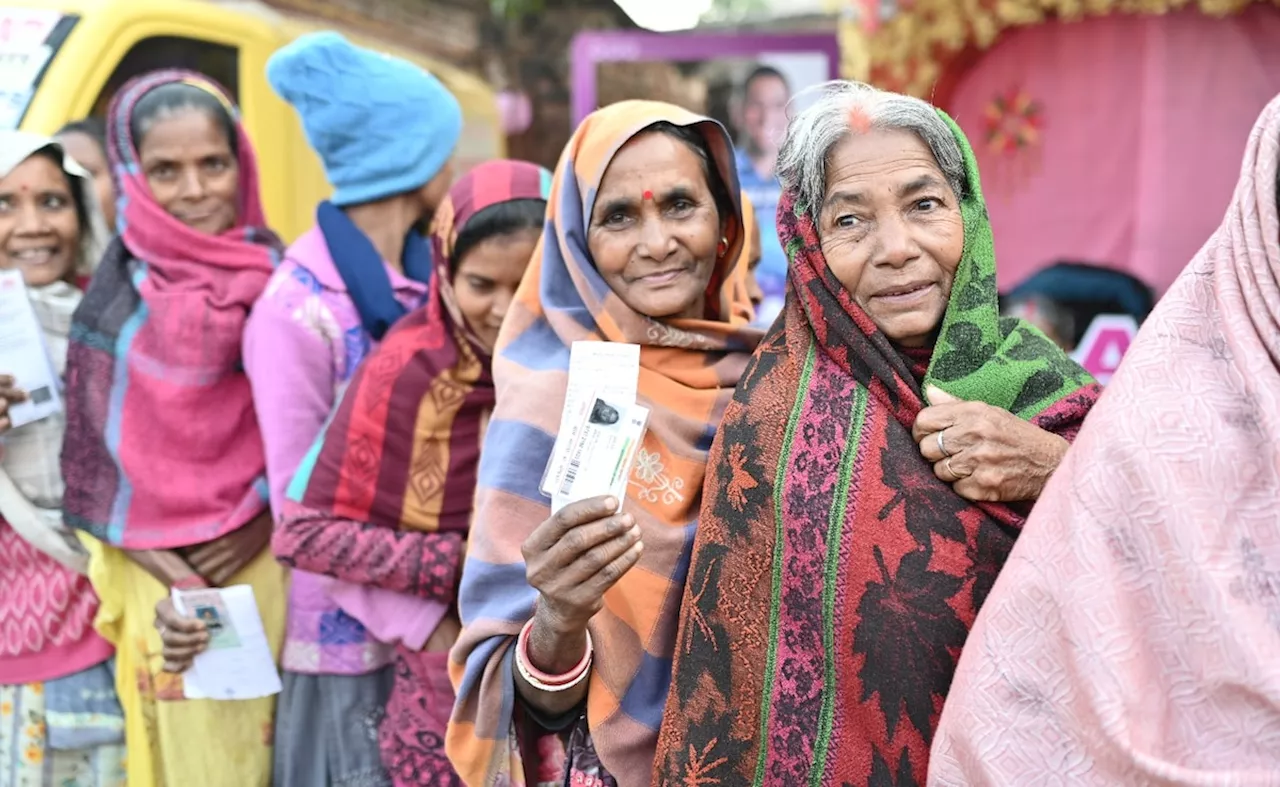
(647,194)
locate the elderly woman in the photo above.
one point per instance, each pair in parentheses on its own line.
(849,533)
(1133,638)
(569,621)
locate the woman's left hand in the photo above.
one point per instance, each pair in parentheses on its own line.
(222,558)
(986,454)
(184,637)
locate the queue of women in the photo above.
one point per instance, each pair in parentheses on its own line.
(356,427)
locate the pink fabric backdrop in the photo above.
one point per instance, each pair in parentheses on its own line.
(1142,122)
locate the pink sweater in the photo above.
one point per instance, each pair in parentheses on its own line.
(46,616)
(302,344)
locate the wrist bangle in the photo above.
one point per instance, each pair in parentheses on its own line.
(543,681)
(189,582)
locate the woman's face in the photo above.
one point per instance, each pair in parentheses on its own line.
(655,228)
(39,226)
(487,278)
(88,153)
(892,232)
(191,170)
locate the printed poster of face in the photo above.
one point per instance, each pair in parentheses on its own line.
(752,84)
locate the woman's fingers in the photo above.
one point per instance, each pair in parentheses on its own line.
(169,619)
(935,419)
(584,538)
(179,658)
(614,570)
(598,558)
(209,566)
(220,575)
(550,532)
(183,643)
(9,392)
(950,469)
(207,557)
(183,638)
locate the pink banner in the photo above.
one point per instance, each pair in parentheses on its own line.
(1116,140)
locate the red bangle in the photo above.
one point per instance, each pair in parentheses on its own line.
(537,676)
(190,582)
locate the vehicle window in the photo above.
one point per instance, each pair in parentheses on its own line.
(219,62)
(29,38)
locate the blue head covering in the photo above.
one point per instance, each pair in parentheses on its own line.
(381,125)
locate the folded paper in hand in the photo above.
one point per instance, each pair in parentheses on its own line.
(238,664)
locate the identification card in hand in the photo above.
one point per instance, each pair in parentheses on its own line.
(238,664)
(23,354)
(598,459)
(606,370)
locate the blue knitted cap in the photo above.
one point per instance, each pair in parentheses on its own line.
(381,125)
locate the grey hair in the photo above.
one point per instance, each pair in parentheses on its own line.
(811,134)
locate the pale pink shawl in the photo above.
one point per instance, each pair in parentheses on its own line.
(1133,638)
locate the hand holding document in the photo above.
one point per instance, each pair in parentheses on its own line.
(238,664)
(601,426)
(23,355)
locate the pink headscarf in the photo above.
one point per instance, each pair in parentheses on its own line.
(162,447)
(1134,635)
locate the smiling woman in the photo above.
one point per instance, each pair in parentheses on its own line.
(577,611)
(163,459)
(850,453)
(40,220)
(49,225)
(658,227)
(186,144)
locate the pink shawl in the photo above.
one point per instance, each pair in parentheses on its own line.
(162,447)
(1133,637)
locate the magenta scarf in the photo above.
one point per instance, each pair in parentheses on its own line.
(162,447)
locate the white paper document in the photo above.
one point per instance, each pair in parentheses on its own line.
(23,354)
(237,664)
(601,426)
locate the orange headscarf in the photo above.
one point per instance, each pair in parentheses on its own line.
(688,371)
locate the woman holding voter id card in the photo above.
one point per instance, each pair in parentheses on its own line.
(60,722)
(569,618)
(163,458)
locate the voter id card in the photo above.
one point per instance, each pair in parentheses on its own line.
(597,459)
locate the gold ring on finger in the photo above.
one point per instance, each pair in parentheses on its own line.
(947,463)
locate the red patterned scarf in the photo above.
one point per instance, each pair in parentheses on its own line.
(403,447)
(835,577)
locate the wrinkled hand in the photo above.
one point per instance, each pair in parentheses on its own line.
(222,558)
(10,394)
(986,454)
(575,556)
(184,638)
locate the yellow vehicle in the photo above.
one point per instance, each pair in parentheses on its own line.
(62,60)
